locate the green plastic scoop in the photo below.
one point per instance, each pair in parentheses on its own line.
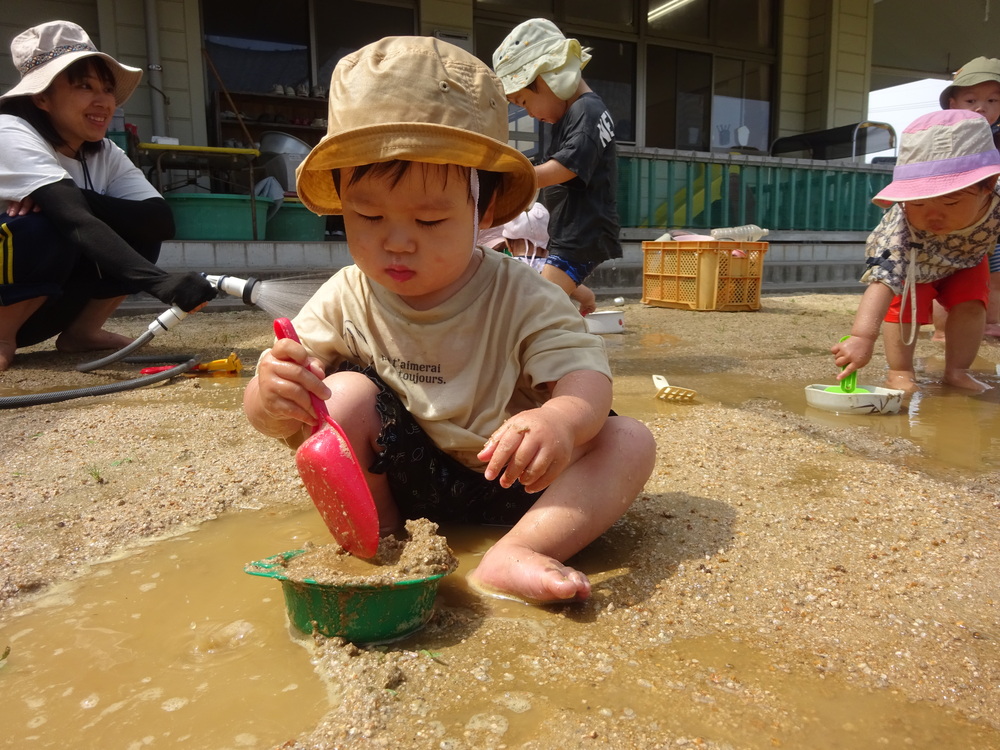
(848,384)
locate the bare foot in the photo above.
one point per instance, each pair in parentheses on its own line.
(102,339)
(938,336)
(7,350)
(962,379)
(510,571)
(992,329)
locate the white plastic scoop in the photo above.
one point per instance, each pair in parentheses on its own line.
(669,392)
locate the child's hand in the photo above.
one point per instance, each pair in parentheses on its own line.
(532,447)
(285,377)
(852,354)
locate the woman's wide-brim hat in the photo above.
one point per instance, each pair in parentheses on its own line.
(415,99)
(44,51)
(940,153)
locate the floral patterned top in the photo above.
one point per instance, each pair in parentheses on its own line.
(894,244)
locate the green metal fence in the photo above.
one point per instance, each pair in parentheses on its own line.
(680,189)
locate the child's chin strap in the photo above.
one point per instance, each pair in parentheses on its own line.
(474,189)
(910,287)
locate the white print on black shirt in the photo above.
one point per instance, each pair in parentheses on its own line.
(606,128)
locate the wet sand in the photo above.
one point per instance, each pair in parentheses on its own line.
(782,580)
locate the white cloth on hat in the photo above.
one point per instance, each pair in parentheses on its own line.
(538,48)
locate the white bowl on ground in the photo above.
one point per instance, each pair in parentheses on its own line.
(606,321)
(875,401)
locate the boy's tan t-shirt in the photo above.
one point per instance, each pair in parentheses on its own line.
(465,366)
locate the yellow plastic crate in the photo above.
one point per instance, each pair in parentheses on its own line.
(702,275)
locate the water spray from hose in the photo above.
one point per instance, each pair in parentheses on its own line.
(280,298)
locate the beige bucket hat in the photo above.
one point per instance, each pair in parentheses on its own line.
(419,99)
(44,51)
(975,71)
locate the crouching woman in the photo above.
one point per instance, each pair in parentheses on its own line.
(80,226)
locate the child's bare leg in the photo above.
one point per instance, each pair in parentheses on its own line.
(352,406)
(993,308)
(12,317)
(587,498)
(899,357)
(87,334)
(940,318)
(963,337)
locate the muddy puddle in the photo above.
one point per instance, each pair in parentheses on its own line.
(174,646)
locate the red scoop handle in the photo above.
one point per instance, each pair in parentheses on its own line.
(284,329)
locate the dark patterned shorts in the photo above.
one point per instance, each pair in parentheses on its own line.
(428,483)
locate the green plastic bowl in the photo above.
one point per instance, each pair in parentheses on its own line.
(361,613)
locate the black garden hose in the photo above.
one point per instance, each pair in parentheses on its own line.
(35,399)
(97,364)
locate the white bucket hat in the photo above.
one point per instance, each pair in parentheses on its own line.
(531,225)
(538,48)
(44,51)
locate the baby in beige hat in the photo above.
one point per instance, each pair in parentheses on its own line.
(976,87)
(467,385)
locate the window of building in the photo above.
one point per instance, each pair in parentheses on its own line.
(254,52)
(741,105)
(740,24)
(678,99)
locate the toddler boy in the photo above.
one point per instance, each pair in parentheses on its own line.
(468,387)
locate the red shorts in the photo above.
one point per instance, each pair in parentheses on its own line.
(961,286)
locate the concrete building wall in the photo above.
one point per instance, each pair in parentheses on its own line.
(19,15)
(445,15)
(850,62)
(837,62)
(793,62)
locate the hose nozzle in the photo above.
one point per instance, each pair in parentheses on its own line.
(245,289)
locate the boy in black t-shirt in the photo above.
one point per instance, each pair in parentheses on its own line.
(541,71)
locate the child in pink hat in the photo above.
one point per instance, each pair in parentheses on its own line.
(932,244)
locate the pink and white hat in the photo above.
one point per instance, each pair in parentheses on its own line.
(940,153)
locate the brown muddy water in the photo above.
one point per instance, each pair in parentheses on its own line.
(173,645)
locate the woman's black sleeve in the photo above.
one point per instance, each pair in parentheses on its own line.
(138,222)
(67,207)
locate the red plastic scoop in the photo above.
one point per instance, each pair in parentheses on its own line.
(333,477)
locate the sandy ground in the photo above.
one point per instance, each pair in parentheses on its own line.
(768,558)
